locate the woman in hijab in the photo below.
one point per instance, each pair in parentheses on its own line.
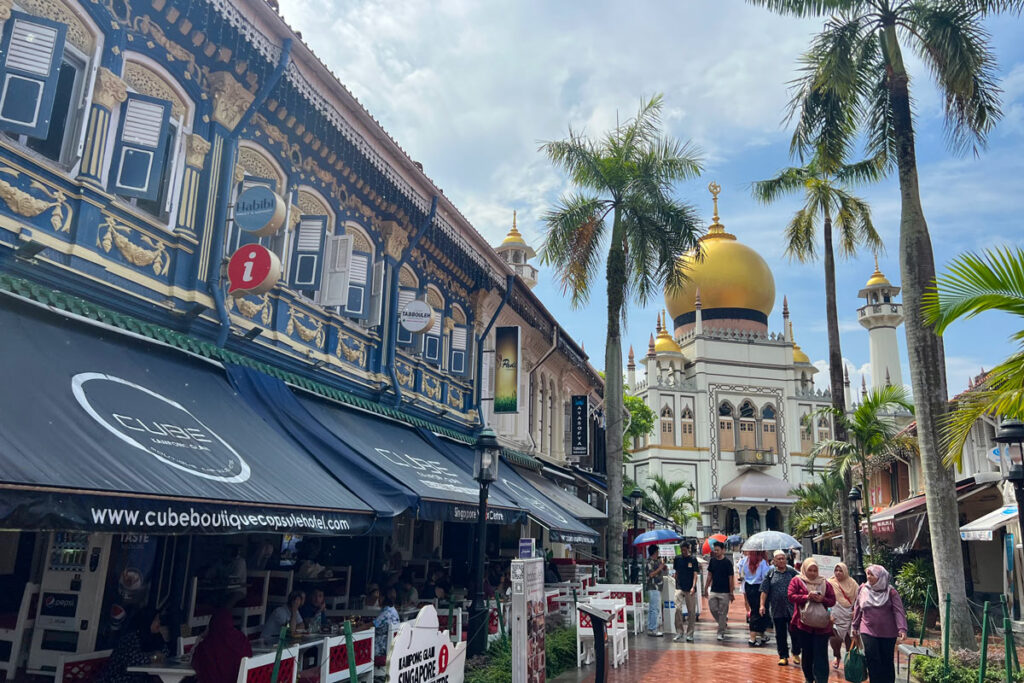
(143,643)
(812,596)
(879,622)
(217,657)
(753,568)
(845,589)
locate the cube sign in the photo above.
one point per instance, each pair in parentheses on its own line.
(253,269)
(259,211)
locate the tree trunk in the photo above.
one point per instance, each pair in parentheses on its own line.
(927,359)
(835,374)
(613,401)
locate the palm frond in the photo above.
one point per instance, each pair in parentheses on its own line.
(804,8)
(573,245)
(787,181)
(854,224)
(973,284)
(1001,395)
(580,158)
(800,243)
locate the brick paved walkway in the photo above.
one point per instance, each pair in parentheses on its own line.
(704,661)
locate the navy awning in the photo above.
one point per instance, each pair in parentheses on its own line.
(103,431)
(562,526)
(578,508)
(446,492)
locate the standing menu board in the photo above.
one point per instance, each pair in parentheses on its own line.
(528,657)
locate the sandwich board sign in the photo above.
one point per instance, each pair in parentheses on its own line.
(528,607)
(421,653)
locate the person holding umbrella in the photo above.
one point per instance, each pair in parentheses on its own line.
(655,569)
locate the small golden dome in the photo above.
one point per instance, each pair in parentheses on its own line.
(664,343)
(876,277)
(728,274)
(513,236)
(798,355)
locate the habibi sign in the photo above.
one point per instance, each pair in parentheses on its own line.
(421,653)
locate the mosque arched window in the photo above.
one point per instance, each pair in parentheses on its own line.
(824,429)
(686,437)
(726,434)
(769,437)
(668,432)
(747,410)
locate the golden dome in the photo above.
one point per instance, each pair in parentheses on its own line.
(728,274)
(876,277)
(513,236)
(664,343)
(798,354)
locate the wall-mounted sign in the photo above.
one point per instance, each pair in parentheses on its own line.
(506,370)
(580,445)
(259,211)
(527,548)
(253,269)
(416,316)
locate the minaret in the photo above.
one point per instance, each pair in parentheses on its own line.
(631,370)
(881,315)
(517,253)
(698,321)
(787,327)
(847,396)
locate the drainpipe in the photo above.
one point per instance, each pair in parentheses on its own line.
(393,306)
(509,282)
(224,192)
(554,345)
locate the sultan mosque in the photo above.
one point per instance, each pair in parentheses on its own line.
(733,398)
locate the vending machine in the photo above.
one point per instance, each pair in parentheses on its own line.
(70,598)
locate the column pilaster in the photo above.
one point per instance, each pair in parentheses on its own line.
(196,149)
(108,94)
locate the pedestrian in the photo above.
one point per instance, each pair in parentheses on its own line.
(812,596)
(719,587)
(775,602)
(753,569)
(655,569)
(845,588)
(879,622)
(687,579)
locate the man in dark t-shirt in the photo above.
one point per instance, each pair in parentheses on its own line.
(719,587)
(687,579)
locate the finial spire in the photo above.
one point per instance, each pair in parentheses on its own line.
(888,379)
(650,347)
(863,386)
(846,375)
(696,303)
(716,227)
(876,257)
(785,307)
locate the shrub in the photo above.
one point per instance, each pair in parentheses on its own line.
(495,666)
(914,621)
(931,670)
(560,645)
(915,579)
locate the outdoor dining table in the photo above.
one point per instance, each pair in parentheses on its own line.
(172,670)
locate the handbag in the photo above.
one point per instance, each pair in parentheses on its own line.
(855,666)
(814,614)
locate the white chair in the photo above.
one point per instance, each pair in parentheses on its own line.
(334,663)
(15,633)
(617,629)
(198,616)
(258,669)
(340,586)
(81,667)
(253,609)
(186,644)
(633,594)
(279,585)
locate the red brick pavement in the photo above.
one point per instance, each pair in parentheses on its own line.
(704,661)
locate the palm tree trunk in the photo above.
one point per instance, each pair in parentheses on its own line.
(835,374)
(927,358)
(613,401)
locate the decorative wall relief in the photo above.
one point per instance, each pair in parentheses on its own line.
(148,82)
(431,387)
(113,234)
(250,310)
(352,350)
(311,332)
(230,99)
(455,398)
(30,206)
(404,373)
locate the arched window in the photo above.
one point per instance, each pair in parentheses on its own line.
(747,410)
(824,429)
(726,436)
(769,437)
(541,410)
(768,412)
(458,346)
(408,289)
(732,522)
(314,237)
(686,437)
(256,166)
(668,436)
(552,393)
(806,433)
(432,337)
(747,426)
(350,272)
(725,410)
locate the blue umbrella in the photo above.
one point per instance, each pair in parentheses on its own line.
(735,539)
(657,536)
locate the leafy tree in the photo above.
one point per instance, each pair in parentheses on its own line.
(815,508)
(622,217)
(826,197)
(670,500)
(641,420)
(992,281)
(854,86)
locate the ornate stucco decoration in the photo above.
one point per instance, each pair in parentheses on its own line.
(310,204)
(230,99)
(455,398)
(113,234)
(196,149)
(406,278)
(404,373)
(254,163)
(365,210)
(359,242)
(78,34)
(431,268)
(395,239)
(448,325)
(250,310)
(431,388)
(312,333)
(5,9)
(351,349)
(30,206)
(147,82)
(110,90)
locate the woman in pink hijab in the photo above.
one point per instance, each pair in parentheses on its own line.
(879,622)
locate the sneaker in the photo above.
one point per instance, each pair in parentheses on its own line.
(657,634)
(677,638)
(796,659)
(784,662)
(689,639)
(753,643)
(721,637)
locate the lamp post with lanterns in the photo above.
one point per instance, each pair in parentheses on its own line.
(637,496)
(692,490)
(855,498)
(485,471)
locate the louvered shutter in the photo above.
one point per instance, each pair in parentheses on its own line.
(377,295)
(486,378)
(432,341)
(31,51)
(336,271)
(459,362)
(139,153)
(308,254)
(357,304)
(404,336)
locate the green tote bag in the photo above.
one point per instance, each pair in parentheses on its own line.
(855,666)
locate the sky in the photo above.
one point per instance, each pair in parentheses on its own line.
(471,89)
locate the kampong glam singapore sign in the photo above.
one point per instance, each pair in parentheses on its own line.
(421,653)
(506,370)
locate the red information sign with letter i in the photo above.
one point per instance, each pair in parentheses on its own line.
(253,269)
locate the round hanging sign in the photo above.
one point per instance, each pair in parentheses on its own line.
(416,317)
(253,269)
(259,211)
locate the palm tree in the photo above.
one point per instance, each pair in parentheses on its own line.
(854,85)
(815,508)
(993,281)
(669,500)
(622,204)
(870,433)
(823,185)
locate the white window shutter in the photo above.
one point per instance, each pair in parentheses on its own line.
(334,287)
(377,294)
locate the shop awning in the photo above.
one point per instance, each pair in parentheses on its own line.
(562,526)
(103,431)
(573,505)
(444,491)
(982,528)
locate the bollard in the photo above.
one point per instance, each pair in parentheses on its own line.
(451,624)
(924,615)
(984,644)
(1008,643)
(945,635)
(350,647)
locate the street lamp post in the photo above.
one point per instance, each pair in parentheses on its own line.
(1012,432)
(637,496)
(692,490)
(485,471)
(855,498)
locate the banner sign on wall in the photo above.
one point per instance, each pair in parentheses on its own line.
(528,607)
(506,370)
(580,433)
(422,653)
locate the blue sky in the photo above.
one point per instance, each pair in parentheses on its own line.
(470,89)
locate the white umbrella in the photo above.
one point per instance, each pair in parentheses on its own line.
(771,540)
